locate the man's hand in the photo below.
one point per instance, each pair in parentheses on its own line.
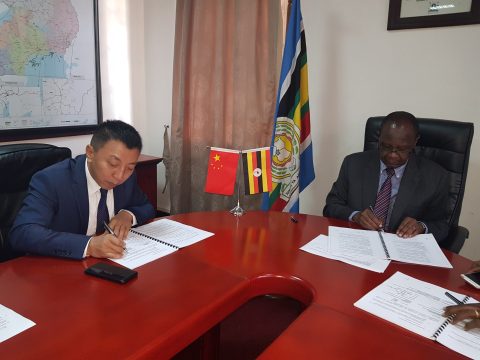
(465,312)
(367,220)
(121,224)
(409,228)
(106,246)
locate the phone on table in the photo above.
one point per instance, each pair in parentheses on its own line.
(111,272)
(472,278)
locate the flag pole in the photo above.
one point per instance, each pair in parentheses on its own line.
(237,210)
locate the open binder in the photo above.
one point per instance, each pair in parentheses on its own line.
(421,249)
(157,239)
(418,306)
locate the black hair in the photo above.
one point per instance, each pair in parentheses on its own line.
(116,130)
(402,118)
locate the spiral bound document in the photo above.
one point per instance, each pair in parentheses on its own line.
(421,249)
(418,306)
(157,239)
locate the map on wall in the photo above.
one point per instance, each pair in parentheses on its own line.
(48,75)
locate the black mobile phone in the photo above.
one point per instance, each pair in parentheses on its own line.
(111,272)
(473,279)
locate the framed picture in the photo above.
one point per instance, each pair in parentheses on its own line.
(49,69)
(409,14)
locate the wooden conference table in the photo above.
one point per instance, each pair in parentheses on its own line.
(179,297)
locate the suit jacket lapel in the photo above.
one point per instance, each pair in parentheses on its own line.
(80,190)
(371,173)
(405,192)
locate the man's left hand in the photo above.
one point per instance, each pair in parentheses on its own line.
(121,224)
(409,228)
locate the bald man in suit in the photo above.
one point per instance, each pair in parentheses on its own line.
(419,187)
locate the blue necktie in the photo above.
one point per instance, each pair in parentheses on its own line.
(102,212)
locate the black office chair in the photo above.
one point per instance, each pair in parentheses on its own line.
(18,163)
(447,143)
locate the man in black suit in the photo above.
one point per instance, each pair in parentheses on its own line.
(418,194)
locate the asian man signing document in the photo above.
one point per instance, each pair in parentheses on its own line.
(67,203)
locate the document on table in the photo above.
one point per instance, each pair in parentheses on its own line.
(418,306)
(157,239)
(352,243)
(173,232)
(319,246)
(12,323)
(141,250)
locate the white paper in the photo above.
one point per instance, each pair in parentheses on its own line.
(141,250)
(12,323)
(173,232)
(422,249)
(418,306)
(319,246)
(356,243)
(353,243)
(464,342)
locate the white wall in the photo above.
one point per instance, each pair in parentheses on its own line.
(356,69)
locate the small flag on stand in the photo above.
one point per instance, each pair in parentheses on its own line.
(222,171)
(257,170)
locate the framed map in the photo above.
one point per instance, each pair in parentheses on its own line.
(49,68)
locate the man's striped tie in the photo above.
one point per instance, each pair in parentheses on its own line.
(383,198)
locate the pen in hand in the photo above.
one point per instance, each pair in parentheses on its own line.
(110,231)
(380,227)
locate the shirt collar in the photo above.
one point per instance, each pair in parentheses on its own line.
(92,185)
(398,171)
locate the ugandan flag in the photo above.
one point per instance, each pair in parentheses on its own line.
(257,170)
(292,155)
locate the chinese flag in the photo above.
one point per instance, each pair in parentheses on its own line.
(222,171)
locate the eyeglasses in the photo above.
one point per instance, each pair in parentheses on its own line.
(390,149)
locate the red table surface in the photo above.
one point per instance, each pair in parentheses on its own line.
(179,297)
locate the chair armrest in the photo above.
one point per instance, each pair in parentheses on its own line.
(455,239)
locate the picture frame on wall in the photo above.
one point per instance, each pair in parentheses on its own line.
(49,69)
(410,14)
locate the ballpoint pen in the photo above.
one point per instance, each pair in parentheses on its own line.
(110,231)
(380,228)
(453,298)
(108,228)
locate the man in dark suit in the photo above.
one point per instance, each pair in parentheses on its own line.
(418,189)
(61,214)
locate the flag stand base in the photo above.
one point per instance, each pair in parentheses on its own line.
(237,210)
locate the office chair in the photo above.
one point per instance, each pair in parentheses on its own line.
(18,163)
(447,143)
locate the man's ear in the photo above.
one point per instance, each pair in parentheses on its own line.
(416,140)
(89,151)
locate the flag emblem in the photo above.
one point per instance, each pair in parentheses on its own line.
(292,160)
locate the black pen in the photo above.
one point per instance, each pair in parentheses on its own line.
(380,227)
(110,231)
(453,298)
(292,219)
